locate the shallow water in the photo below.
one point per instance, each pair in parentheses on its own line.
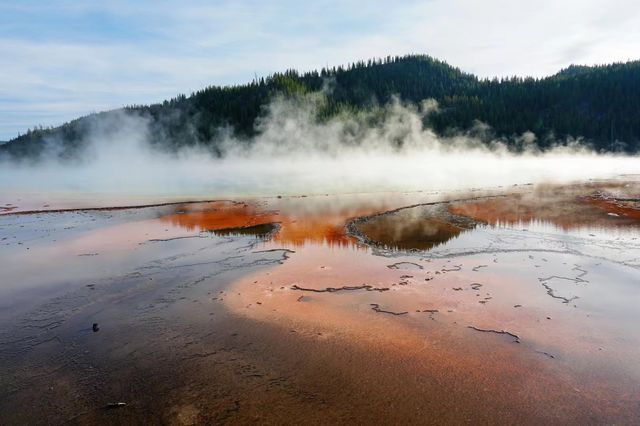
(513,306)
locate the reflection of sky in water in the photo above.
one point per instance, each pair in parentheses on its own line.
(615,244)
(411,229)
(543,226)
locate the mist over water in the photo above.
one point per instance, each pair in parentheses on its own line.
(386,149)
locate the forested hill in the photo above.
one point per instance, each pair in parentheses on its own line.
(600,104)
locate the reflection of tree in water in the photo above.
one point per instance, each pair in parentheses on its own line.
(418,228)
(261,231)
(571,207)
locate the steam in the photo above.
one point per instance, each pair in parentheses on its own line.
(387,148)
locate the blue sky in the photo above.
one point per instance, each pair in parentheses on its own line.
(61,59)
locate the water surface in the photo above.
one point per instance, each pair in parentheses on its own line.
(511,305)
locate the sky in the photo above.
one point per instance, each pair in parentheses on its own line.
(62,59)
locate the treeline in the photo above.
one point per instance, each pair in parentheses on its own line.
(600,104)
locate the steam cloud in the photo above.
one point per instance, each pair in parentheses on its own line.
(386,149)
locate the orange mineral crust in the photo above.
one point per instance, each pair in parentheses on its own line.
(616,207)
(217,215)
(514,307)
(300,220)
(539,314)
(442,315)
(565,207)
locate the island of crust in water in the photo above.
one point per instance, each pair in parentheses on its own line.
(503,305)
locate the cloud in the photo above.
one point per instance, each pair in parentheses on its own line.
(87,56)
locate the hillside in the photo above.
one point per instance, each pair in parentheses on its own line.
(600,104)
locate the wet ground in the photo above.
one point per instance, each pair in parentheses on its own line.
(511,305)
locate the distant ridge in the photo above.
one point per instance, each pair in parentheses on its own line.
(598,103)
